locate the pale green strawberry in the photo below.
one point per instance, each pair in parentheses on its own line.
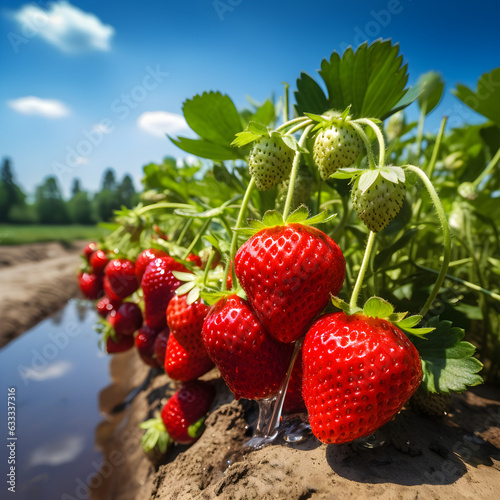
(378,196)
(336,146)
(301,191)
(270,162)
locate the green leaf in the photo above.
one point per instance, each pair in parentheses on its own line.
(486,99)
(185,288)
(292,143)
(309,97)
(344,306)
(447,361)
(320,218)
(193,296)
(409,322)
(389,251)
(196,430)
(377,308)
(346,173)
(265,114)
(213,117)
(257,128)
(244,138)
(181,276)
(409,97)
(432,90)
(272,218)
(298,215)
(388,174)
(372,80)
(205,149)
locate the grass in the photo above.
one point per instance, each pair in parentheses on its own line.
(20,234)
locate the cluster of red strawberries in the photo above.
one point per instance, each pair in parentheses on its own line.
(353,373)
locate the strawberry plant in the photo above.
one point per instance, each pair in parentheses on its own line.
(407,227)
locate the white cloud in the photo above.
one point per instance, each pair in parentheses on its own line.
(65,26)
(31,105)
(160,123)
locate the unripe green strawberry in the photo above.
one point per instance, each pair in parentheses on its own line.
(270,162)
(301,191)
(378,202)
(336,146)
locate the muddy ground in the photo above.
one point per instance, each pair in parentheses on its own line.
(456,456)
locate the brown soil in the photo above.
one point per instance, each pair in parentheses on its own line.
(35,281)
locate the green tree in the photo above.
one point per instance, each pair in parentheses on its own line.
(107,199)
(10,193)
(126,191)
(80,206)
(50,205)
(76,188)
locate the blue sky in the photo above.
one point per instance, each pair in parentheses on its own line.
(90,84)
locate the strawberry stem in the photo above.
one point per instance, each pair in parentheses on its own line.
(291,122)
(488,169)
(446,236)
(380,138)
(199,234)
(296,128)
(234,240)
(435,150)
(362,270)
(367,143)
(293,173)
(287,101)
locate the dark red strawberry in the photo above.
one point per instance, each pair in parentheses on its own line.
(121,344)
(121,277)
(159,285)
(183,365)
(145,343)
(109,292)
(105,306)
(195,259)
(144,259)
(252,363)
(186,321)
(184,411)
(294,402)
(358,373)
(161,346)
(98,261)
(90,284)
(89,250)
(288,273)
(126,319)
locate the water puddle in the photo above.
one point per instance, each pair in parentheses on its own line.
(57,371)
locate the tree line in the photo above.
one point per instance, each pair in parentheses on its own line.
(49,206)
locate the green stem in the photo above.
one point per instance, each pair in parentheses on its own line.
(468,284)
(446,235)
(199,234)
(420,131)
(287,103)
(239,222)
(293,173)
(367,143)
(157,206)
(362,270)
(184,231)
(437,145)
(208,265)
(291,122)
(318,195)
(298,127)
(380,138)
(487,170)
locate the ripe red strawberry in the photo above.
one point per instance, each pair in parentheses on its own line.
(145,343)
(195,259)
(106,305)
(185,409)
(270,162)
(109,292)
(288,273)
(98,261)
(252,363)
(159,285)
(161,346)
(184,365)
(186,321)
(90,284)
(144,259)
(336,146)
(122,344)
(294,402)
(121,277)
(126,319)
(89,250)
(358,373)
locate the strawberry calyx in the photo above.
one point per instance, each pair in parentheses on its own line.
(376,307)
(196,430)
(273,218)
(105,330)
(156,435)
(256,131)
